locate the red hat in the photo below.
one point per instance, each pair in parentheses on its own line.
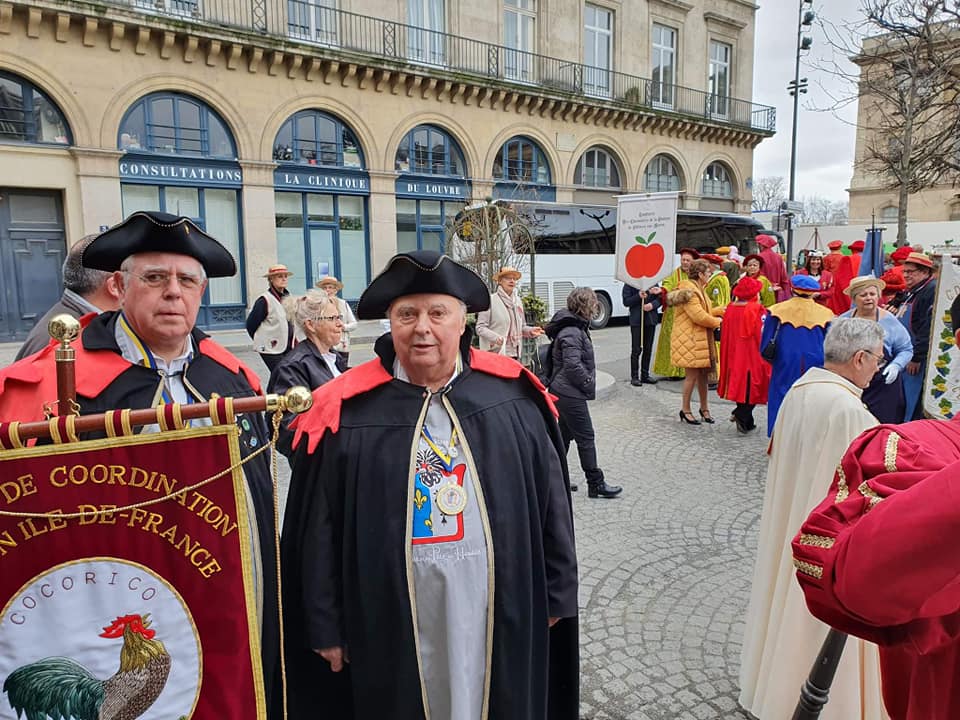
(689,251)
(835,244)
(920,259)
(858,245)
(894,282)
(756,257)
(766,241)
(901,253)
(712,257)
(747,288)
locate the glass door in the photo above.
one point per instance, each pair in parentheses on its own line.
(425,37)
(719,80)
(663,64)
(519,21)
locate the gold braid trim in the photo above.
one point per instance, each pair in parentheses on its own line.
(54,430)
(819,541)
(870,493)
(14,434)
(72,428)
(890,453)
(808,568)
(843,492)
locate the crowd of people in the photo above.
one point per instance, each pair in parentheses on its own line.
(430,509)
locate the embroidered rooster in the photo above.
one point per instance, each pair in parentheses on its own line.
(61,688)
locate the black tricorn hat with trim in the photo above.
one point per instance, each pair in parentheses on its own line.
(422,271)
(147,231)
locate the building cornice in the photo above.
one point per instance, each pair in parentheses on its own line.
(714,17)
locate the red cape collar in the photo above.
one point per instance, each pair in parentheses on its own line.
(328,399)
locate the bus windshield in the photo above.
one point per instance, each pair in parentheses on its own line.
(575,246)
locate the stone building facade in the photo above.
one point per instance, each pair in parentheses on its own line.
(328,135)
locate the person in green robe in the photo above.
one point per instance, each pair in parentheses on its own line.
(661,362)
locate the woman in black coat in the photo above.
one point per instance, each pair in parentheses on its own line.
(574,381)
(313,361)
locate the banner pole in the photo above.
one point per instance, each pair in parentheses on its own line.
(65,329)
(296,400)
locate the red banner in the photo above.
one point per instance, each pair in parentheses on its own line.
(146,609)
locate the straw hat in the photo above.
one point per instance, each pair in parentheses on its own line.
(277,270)
(861,283)
(504,271)
(329,280)
(920,259)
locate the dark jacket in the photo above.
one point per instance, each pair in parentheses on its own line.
(574,366)
(301,366)
(346,530)
(631,299)
(39,338)
(921,319)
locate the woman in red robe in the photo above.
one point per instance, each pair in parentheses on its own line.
(745,376)
(814,268)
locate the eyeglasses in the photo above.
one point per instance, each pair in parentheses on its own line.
(881,361)
(162,279)
(331,318)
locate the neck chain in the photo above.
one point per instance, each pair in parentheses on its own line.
(448,457)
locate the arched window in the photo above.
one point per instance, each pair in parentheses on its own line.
(597,168)
(661,175)
(428,150)
(890,214)
(311,137)
(716,181)
(28,115)
(521,160)
(175,124)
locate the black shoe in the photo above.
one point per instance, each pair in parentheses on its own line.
(707,417)
(636,383)
(601,489)
(573,487)
(648,380)
(688,418)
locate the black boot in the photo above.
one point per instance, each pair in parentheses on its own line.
(601,489)
(635,382)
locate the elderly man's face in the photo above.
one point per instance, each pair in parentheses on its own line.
(426,331)
(913,275)
(161,298)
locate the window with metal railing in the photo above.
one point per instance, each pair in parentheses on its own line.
(521,160)
(311,137)
(597,168)
(428,150)
(313,21)
(661,175)
(28,115)
(176,124)
(716,181)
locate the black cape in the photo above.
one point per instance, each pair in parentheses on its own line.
(345,532)
(135,388)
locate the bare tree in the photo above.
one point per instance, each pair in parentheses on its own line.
(768,193)
(488,235)
(817,210)
(908,90)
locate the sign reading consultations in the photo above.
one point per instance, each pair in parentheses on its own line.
(646,238)
(143,609)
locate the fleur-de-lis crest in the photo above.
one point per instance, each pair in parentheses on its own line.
(419,499)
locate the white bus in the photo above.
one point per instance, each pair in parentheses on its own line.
(575,247)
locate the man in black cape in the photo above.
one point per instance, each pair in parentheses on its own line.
(149,352)
(429,567)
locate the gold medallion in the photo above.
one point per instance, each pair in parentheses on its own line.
(451,499)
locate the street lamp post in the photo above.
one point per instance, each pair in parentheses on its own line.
(796,88)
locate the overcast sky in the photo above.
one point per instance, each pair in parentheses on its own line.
(825,143)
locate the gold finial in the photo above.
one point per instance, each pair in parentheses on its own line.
(297,399)
(63,328)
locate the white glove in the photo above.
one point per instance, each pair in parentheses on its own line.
(890,373)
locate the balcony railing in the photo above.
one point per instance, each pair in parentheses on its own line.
(311,21)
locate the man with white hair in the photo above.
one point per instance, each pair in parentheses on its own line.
(429,568)
(149,353)
(820,415)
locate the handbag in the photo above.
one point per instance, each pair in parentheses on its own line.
(769,352)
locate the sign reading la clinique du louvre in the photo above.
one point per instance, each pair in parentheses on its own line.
(163,171)
(138,609)
(432,188)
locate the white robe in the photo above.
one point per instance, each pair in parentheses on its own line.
(821,414)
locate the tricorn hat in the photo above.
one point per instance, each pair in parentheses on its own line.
(422,271)
(148,231)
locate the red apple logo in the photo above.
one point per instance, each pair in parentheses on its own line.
(644,259)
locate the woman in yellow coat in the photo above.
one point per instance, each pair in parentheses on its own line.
(691,344)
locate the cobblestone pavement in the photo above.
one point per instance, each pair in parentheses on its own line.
(665,569)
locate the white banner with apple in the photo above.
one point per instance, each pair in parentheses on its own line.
(646,238)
